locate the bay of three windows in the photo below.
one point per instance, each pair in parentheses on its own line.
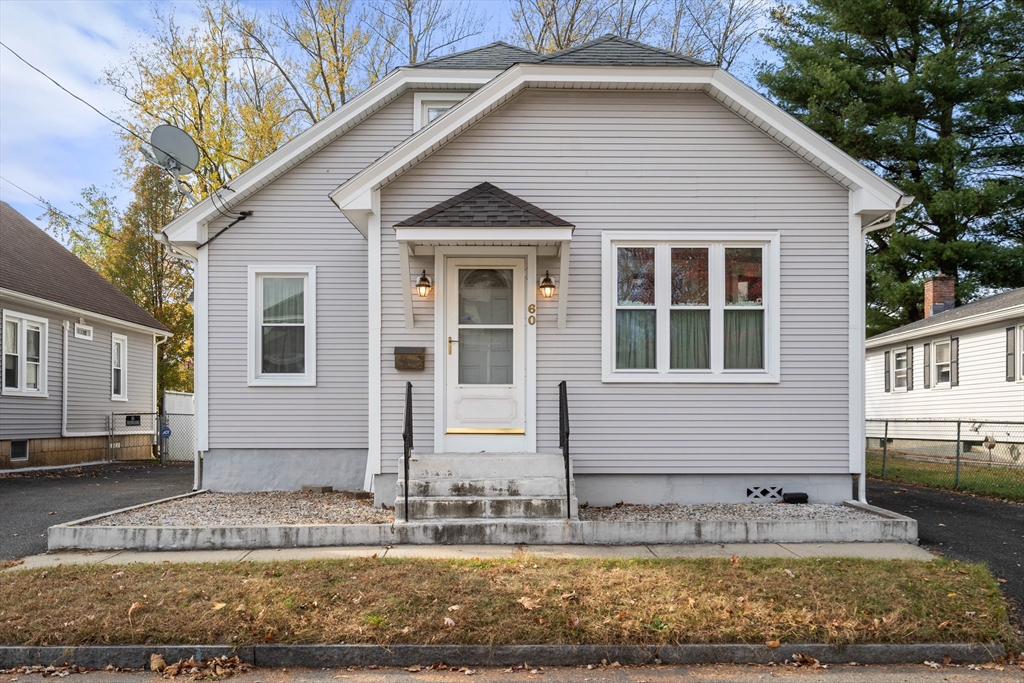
(704,303)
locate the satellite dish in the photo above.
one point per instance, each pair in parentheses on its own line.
(174,150)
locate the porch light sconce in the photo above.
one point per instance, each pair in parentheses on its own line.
(423,285)
(547,287)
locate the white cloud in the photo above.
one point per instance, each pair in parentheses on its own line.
(51,144)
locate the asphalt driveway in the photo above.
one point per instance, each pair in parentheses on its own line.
(32,501)
(963,527)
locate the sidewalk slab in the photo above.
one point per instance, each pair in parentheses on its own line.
(890,551)
(870,551)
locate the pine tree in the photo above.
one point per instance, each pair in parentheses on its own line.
(929,94)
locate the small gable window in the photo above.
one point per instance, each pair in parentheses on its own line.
(430,106)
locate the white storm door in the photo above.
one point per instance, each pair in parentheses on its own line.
(485,349)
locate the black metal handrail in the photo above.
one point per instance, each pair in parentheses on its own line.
(563,442)
(407,441)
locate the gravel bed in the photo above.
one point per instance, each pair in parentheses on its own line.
(246,509)
(719,512)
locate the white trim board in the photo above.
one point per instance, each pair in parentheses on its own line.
(81,312)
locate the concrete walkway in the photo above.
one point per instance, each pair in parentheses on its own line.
(888,551)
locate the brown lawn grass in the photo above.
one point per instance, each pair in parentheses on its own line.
(520,600)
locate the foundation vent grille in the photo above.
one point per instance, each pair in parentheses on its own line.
(764,493)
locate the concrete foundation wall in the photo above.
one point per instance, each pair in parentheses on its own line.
(251,469)
(56,452)
(608,489)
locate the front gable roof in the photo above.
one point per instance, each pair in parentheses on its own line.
(36,265)
(872,196)
(484,206)
(611,50)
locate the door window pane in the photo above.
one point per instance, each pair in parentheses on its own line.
(485,296)
(635,266)
(689,277)
(485,356)
(635,339)
(743,276)
(744,340)
(690,335)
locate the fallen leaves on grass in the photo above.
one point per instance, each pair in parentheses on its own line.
(773,644)
(528,603)
(135,606)
(449,622)
(217,606)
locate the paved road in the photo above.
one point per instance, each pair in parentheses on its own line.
(33,501)
(963,527)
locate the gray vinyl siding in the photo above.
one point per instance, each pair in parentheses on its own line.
(294,223)
(619,161)
(33,417)
(89,368)
(982,394)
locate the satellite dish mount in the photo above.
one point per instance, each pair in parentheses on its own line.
(173,150)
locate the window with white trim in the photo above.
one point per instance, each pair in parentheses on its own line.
(282,325)
(680,308)
(941,364)
(24,346)
(118,367)
(83,332)
(1020,353)
(429,106)
(900,369)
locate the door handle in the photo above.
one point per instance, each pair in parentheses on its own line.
(450,342)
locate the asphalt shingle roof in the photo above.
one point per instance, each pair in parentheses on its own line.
(484,206)
(607,50)
(990,304)
(33,263)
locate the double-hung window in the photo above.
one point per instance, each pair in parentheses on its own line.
(282,326)
(118,367)
(24,354)
(942,364)
(688,307)
(901,368)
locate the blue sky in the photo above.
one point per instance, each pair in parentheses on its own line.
(54,146)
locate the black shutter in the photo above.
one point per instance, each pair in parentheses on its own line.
(888,373)
(910,368)
(954,362)
(1011,354)
(927,365)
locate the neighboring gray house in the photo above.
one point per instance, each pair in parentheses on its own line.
(957,363)
(702,251)
(75,350)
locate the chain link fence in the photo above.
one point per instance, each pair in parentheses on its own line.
(177,429)
(963,455)
(132,436)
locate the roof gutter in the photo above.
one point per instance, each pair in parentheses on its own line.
(888,219)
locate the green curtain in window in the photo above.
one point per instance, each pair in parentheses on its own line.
(635,339)
(744,340)
(689,334)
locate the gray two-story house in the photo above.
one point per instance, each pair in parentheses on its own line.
(76,350)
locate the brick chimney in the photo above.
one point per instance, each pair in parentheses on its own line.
(939,294)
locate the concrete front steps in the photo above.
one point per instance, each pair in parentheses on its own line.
(518,487)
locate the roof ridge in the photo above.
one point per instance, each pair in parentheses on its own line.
(485,188)
(950,314)
(471,50)
(611,37)
(574,48)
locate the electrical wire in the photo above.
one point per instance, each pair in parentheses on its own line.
(43,204)
(116,123)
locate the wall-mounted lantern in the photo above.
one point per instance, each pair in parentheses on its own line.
(547,287)
(423,285)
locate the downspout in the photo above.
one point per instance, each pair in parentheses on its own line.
(884,222)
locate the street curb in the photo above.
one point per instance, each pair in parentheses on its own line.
(332,656)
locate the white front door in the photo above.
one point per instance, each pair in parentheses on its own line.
(485,354)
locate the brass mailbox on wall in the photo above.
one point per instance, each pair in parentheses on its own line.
(410,358)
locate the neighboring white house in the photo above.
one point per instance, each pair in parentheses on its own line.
(75,351)
(964,363)
(684,254)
